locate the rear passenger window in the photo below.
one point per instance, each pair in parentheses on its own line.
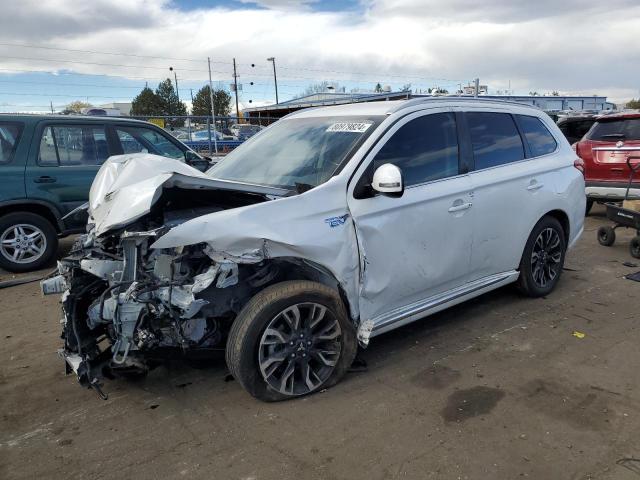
(425,149)
(73,146)
(538,136)
(495,139)
(9,136)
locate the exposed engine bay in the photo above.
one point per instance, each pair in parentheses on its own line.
(125,304)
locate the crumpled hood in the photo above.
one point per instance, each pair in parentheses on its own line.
(127,186)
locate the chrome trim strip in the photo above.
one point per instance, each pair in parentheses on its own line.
(616,149)
(399,314)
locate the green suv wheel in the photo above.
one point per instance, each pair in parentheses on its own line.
(27,242)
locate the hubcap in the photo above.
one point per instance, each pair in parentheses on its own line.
(22,243)
(300,348)
(546,257)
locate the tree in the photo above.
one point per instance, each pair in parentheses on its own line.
(534,94)
(169,103)
(378,88)
(406,87)
(146,103)
(75,107)
(555,93)
(321,87)
(202,102)
(633,103)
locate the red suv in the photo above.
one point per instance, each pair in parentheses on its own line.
(605,149)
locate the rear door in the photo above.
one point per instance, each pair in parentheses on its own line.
(611,142)
(63,161)
(510,186)
(13,154)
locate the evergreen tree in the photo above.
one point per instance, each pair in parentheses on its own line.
(202,102)
(169,103)
(146,103)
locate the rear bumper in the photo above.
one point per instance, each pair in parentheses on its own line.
(611,190)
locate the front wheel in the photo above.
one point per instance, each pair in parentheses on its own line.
(291,339)
(543,258)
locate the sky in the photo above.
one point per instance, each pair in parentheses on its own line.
(55,51)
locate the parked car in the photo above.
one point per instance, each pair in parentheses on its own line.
(244,131)
(605,149)
(575,127)
(335,225)
(47,164)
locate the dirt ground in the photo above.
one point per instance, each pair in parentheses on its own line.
(497,388)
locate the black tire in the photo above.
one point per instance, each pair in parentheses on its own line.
(28,222)
(606,236)
(245,343)
(541,266)
(634,247)
(588,207)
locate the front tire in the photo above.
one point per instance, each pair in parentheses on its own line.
(291,339)
(27,242)
(543,258)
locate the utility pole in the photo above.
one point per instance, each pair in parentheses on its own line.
(275,78)
(213,110)
(175,76)
(235,89)
(51,103)
(477,87)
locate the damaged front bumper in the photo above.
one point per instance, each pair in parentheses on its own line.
(126,305)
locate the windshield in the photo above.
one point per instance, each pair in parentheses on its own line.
(615,129)
(296,153)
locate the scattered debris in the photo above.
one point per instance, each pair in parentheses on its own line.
(579,334)
(633,276)
(632,464)
(630,264)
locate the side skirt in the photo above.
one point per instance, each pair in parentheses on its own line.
(423,308)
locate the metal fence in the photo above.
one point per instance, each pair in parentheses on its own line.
(203,136)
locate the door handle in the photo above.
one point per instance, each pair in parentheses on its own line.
(459,207)
(533,186)
(45,179)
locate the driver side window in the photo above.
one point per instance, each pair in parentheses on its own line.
(425,149)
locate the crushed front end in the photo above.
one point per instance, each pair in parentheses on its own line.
(126,307)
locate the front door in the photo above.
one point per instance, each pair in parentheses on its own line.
(418,245)
(64,161)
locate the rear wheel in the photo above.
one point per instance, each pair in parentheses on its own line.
(291,339)
(27,242)
(543,258)
(634,247)
(606,236)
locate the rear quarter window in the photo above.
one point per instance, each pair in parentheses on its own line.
(9,137)
(539,138)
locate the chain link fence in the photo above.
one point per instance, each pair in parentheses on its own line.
(207,138)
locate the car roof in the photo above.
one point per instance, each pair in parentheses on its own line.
(392,106)
(618,116)
(32,117)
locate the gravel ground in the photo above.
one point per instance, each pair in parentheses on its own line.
(497,388)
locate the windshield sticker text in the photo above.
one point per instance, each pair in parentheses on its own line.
(353,127)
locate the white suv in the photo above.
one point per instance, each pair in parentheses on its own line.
(328,228)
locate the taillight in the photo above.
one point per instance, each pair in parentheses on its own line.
(579,164)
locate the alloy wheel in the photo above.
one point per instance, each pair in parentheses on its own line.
(23,243)
(300,348)
(546,257)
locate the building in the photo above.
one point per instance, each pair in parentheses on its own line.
(124,107)
(546,103)
(319,100)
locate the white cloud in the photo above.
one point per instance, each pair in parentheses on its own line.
(572,46)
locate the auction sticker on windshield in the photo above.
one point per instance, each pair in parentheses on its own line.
(354,127)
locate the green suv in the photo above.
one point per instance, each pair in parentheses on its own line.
(47,165)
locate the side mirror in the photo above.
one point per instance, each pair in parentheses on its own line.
(191,156)
(387,179)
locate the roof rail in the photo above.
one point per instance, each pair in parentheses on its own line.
(421,100)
